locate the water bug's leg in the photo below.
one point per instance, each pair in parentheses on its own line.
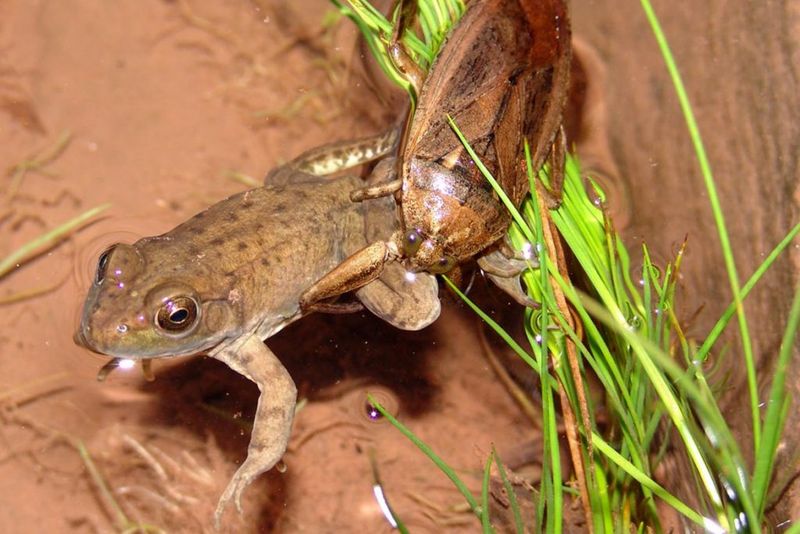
(382,181)
(507,249)
(512,286)
(335,307)
(498,263)
(506,274)
(353,273)
(376,191)
(409,69)
(558,154)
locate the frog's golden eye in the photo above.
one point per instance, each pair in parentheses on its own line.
(411,242)
(445,264)
(102,265)
(177,315)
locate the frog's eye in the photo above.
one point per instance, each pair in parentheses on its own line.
(177,315)
(411,242)
(445,264)
(102,265)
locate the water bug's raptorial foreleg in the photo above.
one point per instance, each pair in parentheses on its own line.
(358,270)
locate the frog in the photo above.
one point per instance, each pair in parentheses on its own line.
(231,276)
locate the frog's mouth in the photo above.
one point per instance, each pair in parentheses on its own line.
(124,363)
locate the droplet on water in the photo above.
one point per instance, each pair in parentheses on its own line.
(372,412)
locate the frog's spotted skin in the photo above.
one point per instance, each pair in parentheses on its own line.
(232,276)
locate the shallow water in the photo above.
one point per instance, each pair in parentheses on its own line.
(160,107)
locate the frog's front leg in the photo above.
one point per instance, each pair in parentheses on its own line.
(334,157)
(273,421)
(361,268)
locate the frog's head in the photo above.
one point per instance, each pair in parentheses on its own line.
(138,310)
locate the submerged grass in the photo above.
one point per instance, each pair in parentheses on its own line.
(38,163)
(655,385)
(47,240)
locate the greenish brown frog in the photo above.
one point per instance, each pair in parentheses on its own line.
(230,277)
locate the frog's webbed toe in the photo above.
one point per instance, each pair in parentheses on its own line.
(506,274)
(244,476)
(273,421)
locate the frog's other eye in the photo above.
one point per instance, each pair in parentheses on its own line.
(177,315)
(411,242)
(443,265)
(102,265)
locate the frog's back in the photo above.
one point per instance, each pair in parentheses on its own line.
(267,244)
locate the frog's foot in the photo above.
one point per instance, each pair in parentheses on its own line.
(244,476)
(408,301)
(353,273)
(334,157)
(506,273)
(273,421)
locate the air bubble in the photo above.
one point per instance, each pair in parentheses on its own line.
(369,412)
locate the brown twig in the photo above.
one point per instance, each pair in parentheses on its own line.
(554,250)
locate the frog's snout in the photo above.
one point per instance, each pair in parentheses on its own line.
(81,340)
(78,339)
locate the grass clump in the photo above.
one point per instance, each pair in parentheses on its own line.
(620,328)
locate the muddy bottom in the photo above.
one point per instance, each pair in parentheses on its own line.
(160,108)
(155,107)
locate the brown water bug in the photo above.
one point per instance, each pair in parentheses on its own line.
(503,76)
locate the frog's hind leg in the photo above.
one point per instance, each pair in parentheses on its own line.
(334,157)
(506,273)
(273,421)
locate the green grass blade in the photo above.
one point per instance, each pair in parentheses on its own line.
(496,327)
(519,526)
(48,239)
(719,327)
(774,422)
(427,451)
(644,480)
(716,208)
(512,209)
(486,525)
